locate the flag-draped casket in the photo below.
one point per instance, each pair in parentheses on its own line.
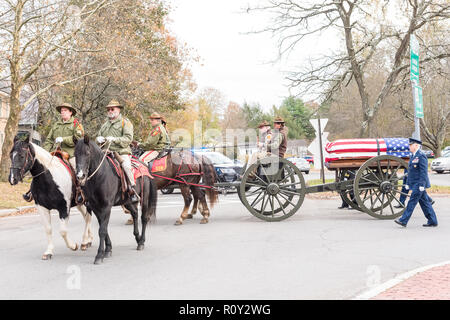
(343,149)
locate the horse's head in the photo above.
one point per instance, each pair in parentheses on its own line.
(82,156)
(22,159)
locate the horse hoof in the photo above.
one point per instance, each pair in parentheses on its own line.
(178,222)
(189,216)
(108,254)
(83,247)
(47,256)
(204,221)
(76,247)
(98,261)
(89,244)
(140,247)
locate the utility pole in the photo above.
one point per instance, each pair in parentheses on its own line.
(322,173)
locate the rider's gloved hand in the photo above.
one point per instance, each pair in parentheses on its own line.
(406,187)
(111,139)
(58,140)
(100,139)
(421,189)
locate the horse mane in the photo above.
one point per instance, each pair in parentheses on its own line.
(44,157)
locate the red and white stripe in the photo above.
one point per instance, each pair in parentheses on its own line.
(354,149)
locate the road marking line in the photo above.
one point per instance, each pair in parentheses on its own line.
(393,282)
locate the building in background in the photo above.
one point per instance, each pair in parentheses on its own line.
(27,123)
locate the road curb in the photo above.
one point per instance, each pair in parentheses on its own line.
(8,212)
(367,295)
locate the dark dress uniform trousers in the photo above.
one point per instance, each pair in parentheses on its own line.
(418,177)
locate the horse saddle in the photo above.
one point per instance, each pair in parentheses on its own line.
(64,158)
(139,168)
(160,162)
(60,154)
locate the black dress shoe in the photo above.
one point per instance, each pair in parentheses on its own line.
(429,225)
(398,222)
(398,206)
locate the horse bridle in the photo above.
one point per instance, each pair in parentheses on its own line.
(22,169)
(98,167)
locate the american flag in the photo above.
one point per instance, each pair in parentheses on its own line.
(366,148)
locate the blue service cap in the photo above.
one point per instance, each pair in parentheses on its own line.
(413,140)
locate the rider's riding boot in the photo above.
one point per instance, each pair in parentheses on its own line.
(134,195)
(28,197)
(79,198)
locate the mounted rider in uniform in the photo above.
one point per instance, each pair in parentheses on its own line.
(62,134)
(157,141)
(278,143)
(118,131)
(265,135)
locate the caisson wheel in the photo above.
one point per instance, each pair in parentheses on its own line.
(378,187)
(275,189)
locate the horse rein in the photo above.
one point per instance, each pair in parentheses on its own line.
(103,159)
(22,170)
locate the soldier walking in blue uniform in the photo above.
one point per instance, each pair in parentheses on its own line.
(417,182)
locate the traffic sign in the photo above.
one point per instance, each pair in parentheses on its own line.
(418,101)
(414,62)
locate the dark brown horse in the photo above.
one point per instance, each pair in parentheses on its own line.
(187,170)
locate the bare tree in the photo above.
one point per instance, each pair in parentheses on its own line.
(435,126)
(31,32)
(365,26)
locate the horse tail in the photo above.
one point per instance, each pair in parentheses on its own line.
(152,198)
(209,177)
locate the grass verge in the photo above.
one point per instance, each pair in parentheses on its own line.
(11,196)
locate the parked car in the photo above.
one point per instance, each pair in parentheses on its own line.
(428,153)
(226,169)
(446,149)
(441,164)
(301,163)
(310,159)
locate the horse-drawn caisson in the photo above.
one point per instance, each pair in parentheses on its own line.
(273,189)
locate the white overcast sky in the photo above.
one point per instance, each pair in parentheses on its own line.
(233,62)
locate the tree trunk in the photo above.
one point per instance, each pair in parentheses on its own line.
(10,132)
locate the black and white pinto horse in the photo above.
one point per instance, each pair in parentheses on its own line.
(51,188)
(102,188)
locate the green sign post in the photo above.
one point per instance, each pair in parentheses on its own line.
(416,89)
(418,102)
(414,62)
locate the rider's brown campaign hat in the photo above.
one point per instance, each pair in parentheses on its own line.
(155,115)
(263,124)
(278,120)
(114,103)
(68,106)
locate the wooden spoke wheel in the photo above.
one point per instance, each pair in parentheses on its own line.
(348,195)
(378,187)
(275,189)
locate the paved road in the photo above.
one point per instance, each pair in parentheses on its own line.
(319,253)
